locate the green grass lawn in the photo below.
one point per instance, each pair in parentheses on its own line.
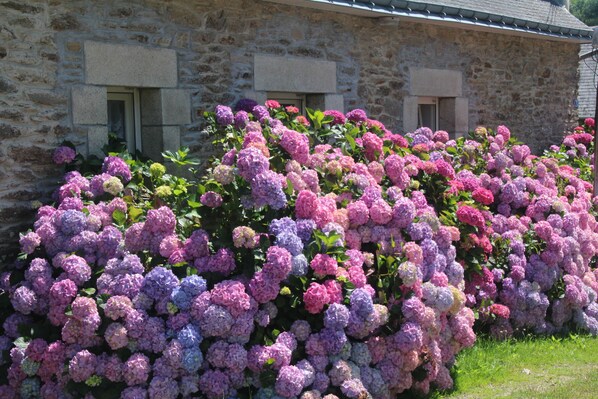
(538,368)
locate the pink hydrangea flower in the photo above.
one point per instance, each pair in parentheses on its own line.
(323,265)
(315,298)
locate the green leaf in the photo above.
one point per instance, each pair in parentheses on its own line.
(289,190)
(350,140)
(327,119)
(89,291)
(119,217)
(451,150)
(193,204)
(135,213)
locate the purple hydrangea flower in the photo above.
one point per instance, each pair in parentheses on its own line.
(336,316)
(245,104)
(216,321)
(115,166)
(63,155)
(260,113)
(241,119)
(214,384)
(159,283)
(266,189)
(361,302)
(289,382)
(224,115)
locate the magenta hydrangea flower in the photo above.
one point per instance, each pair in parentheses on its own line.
(373,146)
(357,116)
(76,269)
(136,369)
(211,199)
(63,155)
(161,220)
(338,118)
(263,287)
(241,119)
(315,298)
(115,166)
(82,366)
(278,263)
(323,265)
(471,216)
(296,144)
(261,113)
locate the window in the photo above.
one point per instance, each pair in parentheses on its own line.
(427,112)
(124,117)
(286,99)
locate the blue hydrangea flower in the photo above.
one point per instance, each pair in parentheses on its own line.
(180,298)
(290,242)
(333,340)
(420,231)
(299,265)
(189,336)
(30,388)
(337,316)
(192,359)
(193,285)
(361,303)
(73,222)
(305,227)
(283,225)
(159,283)
(360,354)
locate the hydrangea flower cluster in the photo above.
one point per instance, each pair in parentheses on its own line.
(341,261)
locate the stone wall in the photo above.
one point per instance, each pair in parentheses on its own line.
(529,84)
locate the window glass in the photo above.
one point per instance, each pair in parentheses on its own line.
(427,113)
(116,118)
(123,117)
(426,116)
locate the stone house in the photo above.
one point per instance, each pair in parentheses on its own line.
(147,69)
(588,80)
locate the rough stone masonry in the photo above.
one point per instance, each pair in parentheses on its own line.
(526,83)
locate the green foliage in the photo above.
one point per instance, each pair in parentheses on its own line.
(586,11)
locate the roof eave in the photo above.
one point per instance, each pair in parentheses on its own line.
(489,23)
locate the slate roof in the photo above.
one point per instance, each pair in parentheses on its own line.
(536,11)
(588,78)
(531,16)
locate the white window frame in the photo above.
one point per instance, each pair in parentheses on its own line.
(296,99)
(130,96)
(427,101)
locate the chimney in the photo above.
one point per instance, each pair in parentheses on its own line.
(560,3)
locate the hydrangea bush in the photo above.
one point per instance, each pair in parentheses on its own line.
(318,258)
